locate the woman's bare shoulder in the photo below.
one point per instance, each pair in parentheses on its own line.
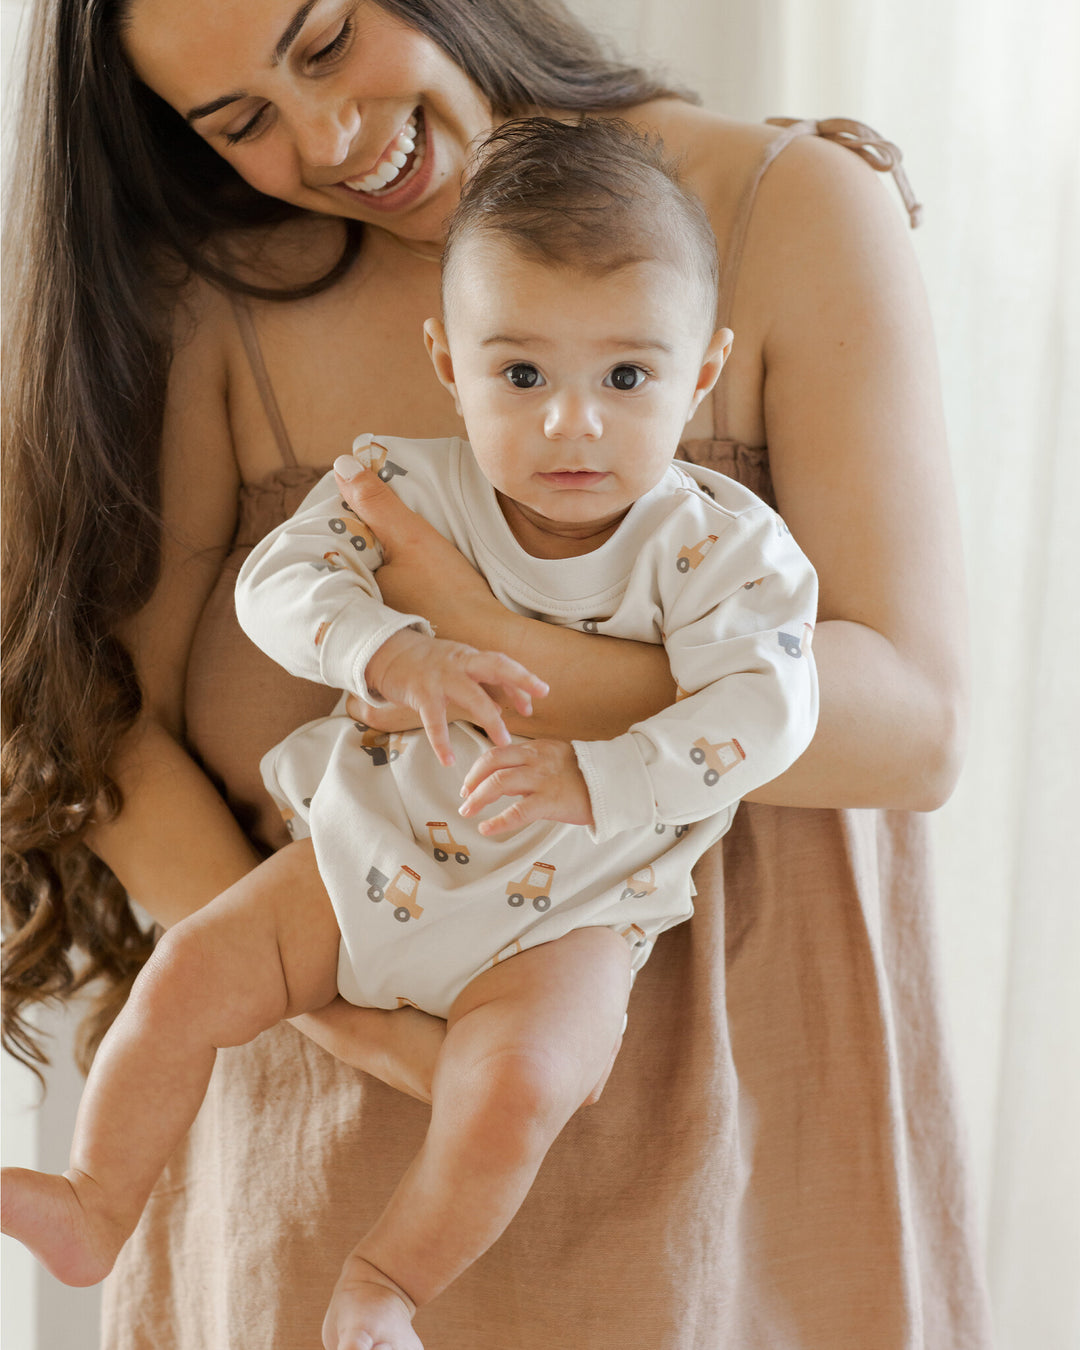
(715,154)
(719,157)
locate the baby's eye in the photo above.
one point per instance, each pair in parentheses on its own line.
(523,376)
(626,378)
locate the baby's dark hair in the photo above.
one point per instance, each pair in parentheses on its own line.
(594,195)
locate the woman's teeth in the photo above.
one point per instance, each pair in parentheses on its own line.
(388,169)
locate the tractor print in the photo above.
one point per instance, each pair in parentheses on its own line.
(639,884)
(382,746)
(330,562)
(401,892)
(591,625)
(536,887)
(693,556)
(749,585)
(791,644)
(443,843)
(514,949)
(720,758)
(349,523)
(367,452)
(635,935)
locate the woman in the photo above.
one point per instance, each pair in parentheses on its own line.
(249,198)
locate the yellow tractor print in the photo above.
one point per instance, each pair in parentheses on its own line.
(639,884)
(507,952)
(383,747)
(692,556)
(443,843)
(536,887)
(349,523)
(331,562)
(378,463)
(401,892)
(720,758)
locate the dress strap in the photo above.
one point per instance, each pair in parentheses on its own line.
(250,338)
(879,153)
(873,149)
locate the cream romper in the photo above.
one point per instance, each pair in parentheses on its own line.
(423,900)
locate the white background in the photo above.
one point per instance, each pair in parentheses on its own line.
(982,97)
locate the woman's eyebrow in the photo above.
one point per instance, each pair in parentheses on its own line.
(280,52)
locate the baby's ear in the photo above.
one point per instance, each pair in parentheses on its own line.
(716,353)
(439,350)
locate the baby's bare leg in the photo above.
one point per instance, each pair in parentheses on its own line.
(527,1043)
(265,949)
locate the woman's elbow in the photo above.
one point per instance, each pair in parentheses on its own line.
(942,745)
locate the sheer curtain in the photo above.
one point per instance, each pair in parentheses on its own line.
(982,95)
(983,99)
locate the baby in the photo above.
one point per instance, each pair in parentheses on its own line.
(579,299)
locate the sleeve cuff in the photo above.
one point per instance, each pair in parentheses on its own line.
(620,789)
(345,654)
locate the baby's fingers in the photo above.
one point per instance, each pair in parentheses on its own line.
(433,716)
(498,671)
(501,757)
(516,782)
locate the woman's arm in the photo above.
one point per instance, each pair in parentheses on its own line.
(175,844)
(860,466)
(422,573)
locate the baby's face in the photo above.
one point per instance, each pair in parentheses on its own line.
(575,389)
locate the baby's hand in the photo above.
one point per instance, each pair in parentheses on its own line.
(543,776)
(430,675)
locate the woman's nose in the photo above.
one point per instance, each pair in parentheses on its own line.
(325,133)
(572,417)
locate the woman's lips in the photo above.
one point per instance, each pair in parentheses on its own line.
(573,478)
(410,179)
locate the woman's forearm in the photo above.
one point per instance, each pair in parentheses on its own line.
(599,686)
(175,845)
(888,735)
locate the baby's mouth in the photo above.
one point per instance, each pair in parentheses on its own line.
(399,161)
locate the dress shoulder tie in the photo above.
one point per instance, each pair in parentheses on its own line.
(879,153)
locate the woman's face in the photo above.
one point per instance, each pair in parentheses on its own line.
(333,105)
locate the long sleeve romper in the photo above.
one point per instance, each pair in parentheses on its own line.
(424,901)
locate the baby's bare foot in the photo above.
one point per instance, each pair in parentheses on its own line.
(59,1219)
(368,1312)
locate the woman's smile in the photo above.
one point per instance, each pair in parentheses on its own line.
(402,173)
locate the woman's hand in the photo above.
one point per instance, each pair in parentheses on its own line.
(399,1047)
(422,572)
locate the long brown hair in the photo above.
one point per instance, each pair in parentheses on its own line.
(114,201)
